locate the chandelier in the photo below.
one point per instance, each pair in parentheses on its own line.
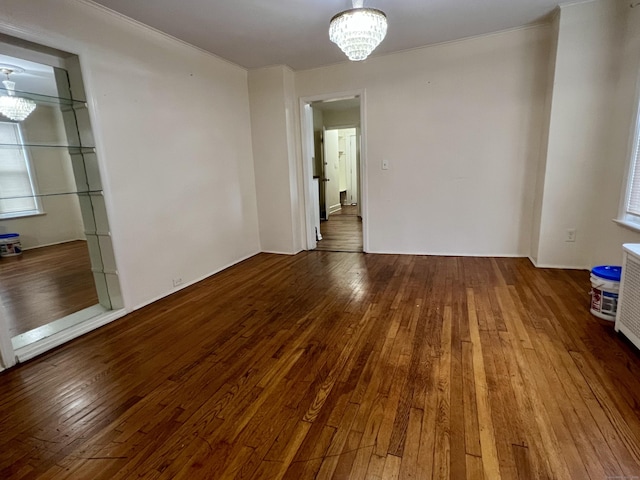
(12,107)
(358,31)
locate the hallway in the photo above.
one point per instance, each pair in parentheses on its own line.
(342,232)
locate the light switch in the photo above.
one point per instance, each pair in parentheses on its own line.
(385,164)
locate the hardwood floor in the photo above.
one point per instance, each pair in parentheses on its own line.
(45,284)
(347,210)
(331,365)
(342,232)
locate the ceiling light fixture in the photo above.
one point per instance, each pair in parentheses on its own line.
(358,31)
(12,107)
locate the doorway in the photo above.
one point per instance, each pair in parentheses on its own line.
(341,228)
(332,130)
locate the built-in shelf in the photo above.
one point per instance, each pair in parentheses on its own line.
(57,194)
(46,99)
(71,148)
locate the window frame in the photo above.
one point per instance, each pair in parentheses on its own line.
(625,218)
(38,210)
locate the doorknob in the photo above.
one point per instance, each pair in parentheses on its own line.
(326,179)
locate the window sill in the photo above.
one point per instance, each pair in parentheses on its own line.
(21,215)
(627,224)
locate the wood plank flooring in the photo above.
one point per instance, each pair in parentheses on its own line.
(45,284)
(338,365)
(342,232)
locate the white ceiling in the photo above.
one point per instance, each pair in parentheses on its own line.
(36,77)
(337,105)
(258,33)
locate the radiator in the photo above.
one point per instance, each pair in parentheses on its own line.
(628,313)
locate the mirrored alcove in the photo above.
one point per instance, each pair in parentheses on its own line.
(51,196)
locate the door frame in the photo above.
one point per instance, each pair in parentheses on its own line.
(306,131)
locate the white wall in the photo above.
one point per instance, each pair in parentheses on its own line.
(544,138)
(591,109)
(342,118)
(460,124)
(274,157)
(174,138)
(294,145)
(608,236)
(62,221)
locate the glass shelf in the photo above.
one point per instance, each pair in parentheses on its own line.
(71,148)
(46,99)
(57,194)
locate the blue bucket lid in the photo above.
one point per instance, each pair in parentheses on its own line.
(608,272)
(9,235)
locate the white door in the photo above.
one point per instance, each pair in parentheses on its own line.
(352,159)
(331,179)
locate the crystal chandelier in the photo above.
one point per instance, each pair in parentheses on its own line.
(12,107)
(358,31)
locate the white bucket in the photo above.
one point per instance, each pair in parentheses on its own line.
(604,297)
(10,245)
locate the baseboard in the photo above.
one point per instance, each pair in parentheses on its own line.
(562,267)
(334,208)
(54,243)
(29,351)
(477,255)
(36,348)
(193,282)
(449,254)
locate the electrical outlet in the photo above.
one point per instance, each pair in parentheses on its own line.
(177,281)
(570,235)
(385,164)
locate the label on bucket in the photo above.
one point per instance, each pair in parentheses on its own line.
(604,302)
(10,249)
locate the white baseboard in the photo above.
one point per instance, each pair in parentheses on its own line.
(29,351)
(335,208)
(450,254)
(54,243)
(188,284)
(42,345)
(563,267)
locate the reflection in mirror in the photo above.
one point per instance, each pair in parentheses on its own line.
(60,271)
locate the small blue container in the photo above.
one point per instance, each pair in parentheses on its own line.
(605,285)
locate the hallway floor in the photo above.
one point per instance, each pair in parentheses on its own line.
(342,232)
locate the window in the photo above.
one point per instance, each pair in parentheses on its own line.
(631,212)
(17,183)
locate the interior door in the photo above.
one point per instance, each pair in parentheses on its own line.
(352,196)
(330,174)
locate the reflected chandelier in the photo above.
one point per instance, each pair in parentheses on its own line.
(12,107)
(358,31)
